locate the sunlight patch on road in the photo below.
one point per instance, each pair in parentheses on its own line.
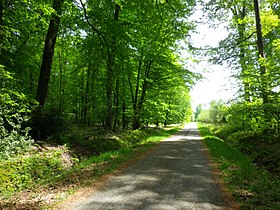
(174,138)
(193,137)
(182,138)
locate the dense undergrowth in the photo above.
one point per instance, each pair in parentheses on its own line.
(253,186)
(262,148)
(83,156)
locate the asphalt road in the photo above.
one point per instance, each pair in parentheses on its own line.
(176,175)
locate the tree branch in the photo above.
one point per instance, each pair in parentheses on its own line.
(220,61)
(100,35)
(238,43)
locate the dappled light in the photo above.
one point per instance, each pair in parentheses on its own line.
(88,87)
(176,175)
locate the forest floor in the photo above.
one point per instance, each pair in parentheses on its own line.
(177,174)
(49,172)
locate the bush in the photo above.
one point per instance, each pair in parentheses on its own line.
(15,109)
(263,149)
(25,171)
(85,142)
(49,123)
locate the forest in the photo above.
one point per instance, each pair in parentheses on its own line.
(251,119)
(96,63)
(76,70)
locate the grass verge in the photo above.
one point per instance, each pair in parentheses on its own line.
(252,187)
(57,185)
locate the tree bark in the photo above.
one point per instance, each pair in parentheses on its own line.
(166,118)
(86,104)
(138,104)
(61,83)
(242,55)
(261,51)
(135,118)
(1,25)
(110,76)
(124,121)
(82,105)
(50,40)
(116,104)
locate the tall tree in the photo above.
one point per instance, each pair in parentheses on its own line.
(255,33)
(261,52)
(50,40)
(1,23)
(111,65)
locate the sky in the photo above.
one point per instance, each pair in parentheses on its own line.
(216,82)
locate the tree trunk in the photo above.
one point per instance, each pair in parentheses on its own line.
(123,98)
(136,121)
(82,98)
(138,104)
(1,25)
(135,118)
(261,51)
(116,103)
(110,75)
(242,54)
(124,121)
(109,95)
(61,83)
(166,118)
(93,98)
(157,123)
(86,99)
(50,40)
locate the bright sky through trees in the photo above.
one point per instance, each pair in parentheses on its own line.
(216,82)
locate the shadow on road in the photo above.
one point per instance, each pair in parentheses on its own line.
(176,175)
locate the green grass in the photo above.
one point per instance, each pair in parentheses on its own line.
(159,136)
(252,187)
(110,161)
(27,171)
(83,173)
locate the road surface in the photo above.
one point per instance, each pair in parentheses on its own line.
(176,175)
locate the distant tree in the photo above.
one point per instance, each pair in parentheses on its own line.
(197,112)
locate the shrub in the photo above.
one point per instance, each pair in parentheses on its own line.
(24,171)
(48,123)
(263,149)
(15,109)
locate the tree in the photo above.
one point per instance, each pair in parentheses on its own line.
(105,63)
(198,110)
(216,113)
(50,40)
(261,52)
(249,50)
(111,65)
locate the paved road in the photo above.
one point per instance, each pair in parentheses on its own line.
(176,175)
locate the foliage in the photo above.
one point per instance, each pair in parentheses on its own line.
(27,171)
(197,112)
(48,169)
(215,114)
(253,187)
(247,116)
(48,124)
(86,142)
(247,128)
(262,149)
(15,109)
(256,70)
(114,62)
(171,106)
